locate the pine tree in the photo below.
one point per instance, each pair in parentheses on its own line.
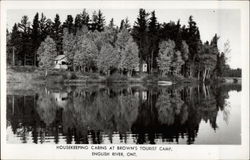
(214,45)
(9,49)
(153,24)
(100,21)
(139,33)
(221,64)
(85,17)
(110,33)
(193,40)
(111,23)
(78,23)
(94,22)
(57,34)
(121,25)
(69,24)
(49,27)
(125,24)
(178,36)
(35,36)
(153,39)
(26,42)
(42,24)
(16,45)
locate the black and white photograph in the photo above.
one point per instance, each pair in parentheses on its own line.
(137,76)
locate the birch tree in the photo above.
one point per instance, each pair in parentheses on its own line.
(47,53)
(166,53)
(130,59)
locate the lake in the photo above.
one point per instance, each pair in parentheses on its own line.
(124,114)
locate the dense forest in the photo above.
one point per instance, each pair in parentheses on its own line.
(93,45)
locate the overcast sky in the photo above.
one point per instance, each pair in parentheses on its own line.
(226,23)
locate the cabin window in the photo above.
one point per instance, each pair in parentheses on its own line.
(64,98)
(64,63)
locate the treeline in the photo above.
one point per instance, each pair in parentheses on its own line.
(232,72)
(91,45)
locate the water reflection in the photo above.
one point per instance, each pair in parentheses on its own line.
(115,114)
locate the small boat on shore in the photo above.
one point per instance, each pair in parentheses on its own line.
(165,83)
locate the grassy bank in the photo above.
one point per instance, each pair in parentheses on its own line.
(33,75)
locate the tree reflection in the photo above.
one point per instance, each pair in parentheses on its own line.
(94,113)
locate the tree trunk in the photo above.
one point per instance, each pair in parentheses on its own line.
(35,59)
(129,73)
(208,74)
(46,73)
(140,65)
(24,63)
(198,88)
(208,92)
(13,52)
(204,90)
(198,75)
(204,76)
(13,104)
(151,66)
(191,71)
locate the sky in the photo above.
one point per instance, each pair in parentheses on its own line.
(223,22)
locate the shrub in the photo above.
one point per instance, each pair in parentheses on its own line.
(94,76)
(116,77)
(70,75)
(55,79)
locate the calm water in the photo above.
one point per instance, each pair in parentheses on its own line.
(100,114)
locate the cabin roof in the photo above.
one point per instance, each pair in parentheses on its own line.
(60,57)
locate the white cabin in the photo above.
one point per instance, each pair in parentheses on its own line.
(61,98)
(144,67)
(61,62)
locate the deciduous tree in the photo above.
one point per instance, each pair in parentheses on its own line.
(166,54)
(46,54)
(130,59)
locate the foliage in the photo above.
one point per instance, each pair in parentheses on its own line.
(105,59)
(85,53)
(129,59)
(57,34)
(69,24)
(68,45)
(47,53)
(176,63)
(139,33)
(166,54)
(88,43)
(184,51)
(122,38)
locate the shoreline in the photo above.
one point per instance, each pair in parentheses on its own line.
(36,77)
